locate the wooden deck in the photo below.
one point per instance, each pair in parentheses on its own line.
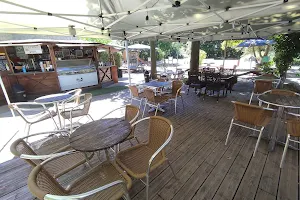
(206,168)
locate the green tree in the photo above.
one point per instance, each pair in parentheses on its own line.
(213,49)
(202,56)
(99,40)
(231,48)
(287,47)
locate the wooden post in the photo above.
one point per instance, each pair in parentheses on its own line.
(194,62)
(153,59)
(52,56)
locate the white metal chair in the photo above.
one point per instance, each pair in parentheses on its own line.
(253,115)
(175,93)
(293,130)
(136,95)
(75,101)
(33,113)
(80,110)
(153,100)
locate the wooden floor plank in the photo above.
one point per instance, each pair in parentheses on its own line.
(264,195)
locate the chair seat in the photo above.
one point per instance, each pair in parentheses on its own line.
(75,113)
(100,176)
(160,99)
(42,116)
(135,160)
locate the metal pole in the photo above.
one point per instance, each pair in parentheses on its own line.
(6,96)
(127,58)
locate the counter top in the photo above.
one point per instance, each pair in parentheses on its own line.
(30,73)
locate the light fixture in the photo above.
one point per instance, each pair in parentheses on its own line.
(147,17)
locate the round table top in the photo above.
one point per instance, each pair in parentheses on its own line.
(100,134)
(280,100)
(53,98)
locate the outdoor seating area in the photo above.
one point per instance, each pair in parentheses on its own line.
(173,156)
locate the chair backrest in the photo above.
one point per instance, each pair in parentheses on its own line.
(19,107)
(293,124)
(131,113)
(20,147)
(193,78)
(134,91)
(212,77)
(40,183)
(262,86)
(176,85)
(251,114)
(149,94)
(159,131)
(283,92)
(87,97)
(76,93)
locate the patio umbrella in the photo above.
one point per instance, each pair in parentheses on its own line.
(256,42)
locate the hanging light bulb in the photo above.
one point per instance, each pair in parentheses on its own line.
(147,18)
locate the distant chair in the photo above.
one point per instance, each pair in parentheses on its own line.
(194,82)
(253,115)
(260,86)
(105,181)
(33,113)
(136,95)
(292,130)
(214,84)
(176,93)
(47,146)
(81,109)
(140,160)
(152,100)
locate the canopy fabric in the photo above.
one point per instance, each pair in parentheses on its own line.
(167,19)
(139,46)
(256,42)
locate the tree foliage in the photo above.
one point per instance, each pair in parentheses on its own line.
(287,47)
(99,40)
(202,56)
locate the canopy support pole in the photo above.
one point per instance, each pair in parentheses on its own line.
(153,59)
(127,59)
(6,95)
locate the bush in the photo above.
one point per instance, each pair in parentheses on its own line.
(159,54)
(103,56)
(266,67)
(118,58)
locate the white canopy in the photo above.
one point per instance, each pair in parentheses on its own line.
(167,19)
(139,46)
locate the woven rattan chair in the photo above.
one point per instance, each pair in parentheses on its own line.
(136,95)
(252,115)
(176,92)
(260,86)
(106,182)
(80,110)
(33,113)
(140,160)
(51,143)
(153,100)
(293,130)
(131,115)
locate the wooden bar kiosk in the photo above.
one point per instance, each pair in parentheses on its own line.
(52,66)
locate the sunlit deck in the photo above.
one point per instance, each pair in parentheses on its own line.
(206,168)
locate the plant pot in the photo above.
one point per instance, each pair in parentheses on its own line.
(120,74)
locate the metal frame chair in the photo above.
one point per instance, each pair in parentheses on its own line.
(293,129)
(75,93)
(80,110)
(140,160)
(261,86)
(35,118)
(131,115)
(152,100)
(54,144)
(135,95)
(112,184)
(253,115)
(176,92)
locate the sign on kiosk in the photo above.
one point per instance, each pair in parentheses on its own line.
(33,49)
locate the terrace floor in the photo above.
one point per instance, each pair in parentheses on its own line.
(206,168)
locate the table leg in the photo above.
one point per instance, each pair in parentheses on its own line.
(107,155)
(87,160)
(275,128)
(58,114)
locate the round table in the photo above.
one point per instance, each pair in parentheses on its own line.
(100,135)
(55,99)
(282,102)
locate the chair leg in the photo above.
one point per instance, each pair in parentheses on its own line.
(251,98)
(182,102)
(90,117)
(147,187)
(230,127)
(285,150)
(140,103)
(157,107)
(137,140)
(144,109)
(175,105)
(258,140)
(259,103)
(172,169)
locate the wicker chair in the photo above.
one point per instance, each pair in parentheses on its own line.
(80,110)
(75,101)
(135,95)
(252,115)
(131,115)
(44,113)
(106,181)
(140,160)
(152,100)
(260,86)
(176,92)
(293,129)
(54,142)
